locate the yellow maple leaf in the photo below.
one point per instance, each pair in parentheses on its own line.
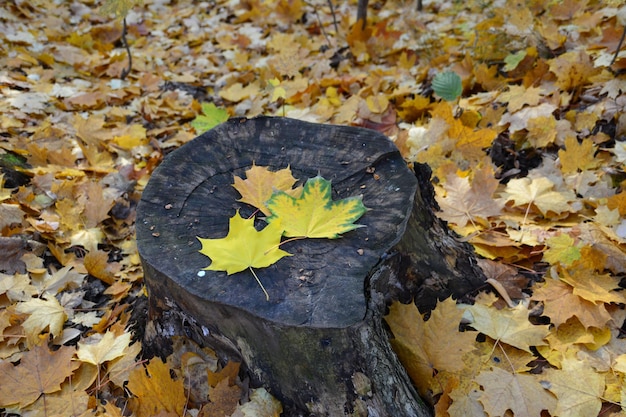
(43,313)
(578,156)
(560,303)
(155,390)
(592,286)
(520,393)
(237,92)
(314,214)
(470,142)
(542,131)
(540,193)
(426,348)
(509,325)
(244,247)
(260,184)
(577,386)
(519,96)
(104,349)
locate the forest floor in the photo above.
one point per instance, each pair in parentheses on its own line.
(528,167)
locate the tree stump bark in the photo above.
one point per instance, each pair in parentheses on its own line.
(319,344)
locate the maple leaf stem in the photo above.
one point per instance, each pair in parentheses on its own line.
(267,296)
(523,228)
(291,239)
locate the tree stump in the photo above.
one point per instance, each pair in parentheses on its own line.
(319,344)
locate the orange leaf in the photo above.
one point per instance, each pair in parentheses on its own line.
(96,263)
(260,184)
(229,372)
(155,390)
(40,372)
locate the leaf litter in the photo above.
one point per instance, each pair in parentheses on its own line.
(541,113)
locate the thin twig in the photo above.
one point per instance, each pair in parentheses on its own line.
(619,46)
(126,71)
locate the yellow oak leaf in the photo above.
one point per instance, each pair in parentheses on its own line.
(103,349)
(314,214)
(260,184)
(244,247)
(578,156)
(561,249)
(155,390)
(538,192)
(509,325)
(577,386)
(428,347)
(520,393)
(40,372)
(43,313)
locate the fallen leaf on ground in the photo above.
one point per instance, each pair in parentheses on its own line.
(155,390)
(40,371)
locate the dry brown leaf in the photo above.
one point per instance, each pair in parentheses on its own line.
(224,400)
(40,372)
(97,264)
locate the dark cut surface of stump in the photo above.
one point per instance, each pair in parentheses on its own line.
(319,344)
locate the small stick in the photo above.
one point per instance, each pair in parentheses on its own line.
(126,71)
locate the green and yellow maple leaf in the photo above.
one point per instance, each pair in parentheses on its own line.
(260,184)
(314,214)
(244,247)
(561,249)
